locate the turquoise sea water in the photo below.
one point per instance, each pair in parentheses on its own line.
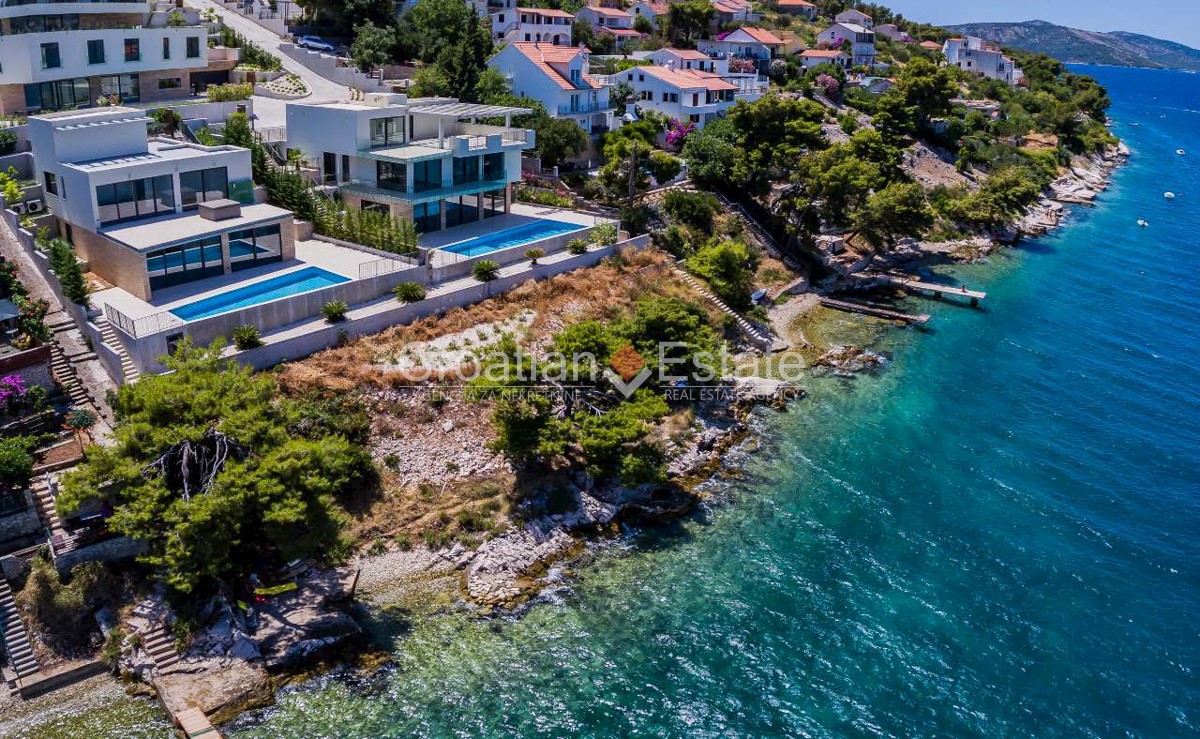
(997,536)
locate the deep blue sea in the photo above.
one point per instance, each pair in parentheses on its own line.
(999,535)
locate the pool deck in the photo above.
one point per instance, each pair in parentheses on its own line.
(337,259)
(522,213)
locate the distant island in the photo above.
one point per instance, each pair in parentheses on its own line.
(1072,45)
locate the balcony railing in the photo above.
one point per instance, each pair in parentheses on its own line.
(588,106)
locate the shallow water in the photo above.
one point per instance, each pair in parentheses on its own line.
(995,536)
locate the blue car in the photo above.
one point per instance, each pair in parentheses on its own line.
(315,43)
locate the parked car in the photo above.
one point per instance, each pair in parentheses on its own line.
(315,43)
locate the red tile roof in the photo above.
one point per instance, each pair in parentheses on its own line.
(822,53)
(795,4)
(688,54)
(760,35)
(548,12)
(544,55)
(689,79)
(610,12)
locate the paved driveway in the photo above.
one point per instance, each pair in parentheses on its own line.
(270,111)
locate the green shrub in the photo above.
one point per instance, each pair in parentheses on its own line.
(728,268)
(335,311)
(228,92)
(605,234)
(247,337)
(485,270)
(16,464)
(692,209)
(534,254)
(577,246)
(68,270)
(409,292)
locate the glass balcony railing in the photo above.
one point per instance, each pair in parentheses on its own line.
(585,106)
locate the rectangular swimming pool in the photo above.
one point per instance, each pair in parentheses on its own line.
(515,236)
(293,283)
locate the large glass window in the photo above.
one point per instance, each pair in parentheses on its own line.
(96,51)
(466,169)
(427,217)
(193,47)
(391,176)
(58,95)
(194,260)
(51,181)
(493,203)
(45,23)
(463,209)
(493,166)
(133,50)
(254,247)
(166,48)
(202,185)
(128,201)
(50,57)
(124,86)
(427,175)
(387,131)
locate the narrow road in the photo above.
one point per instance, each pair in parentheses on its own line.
(272,112)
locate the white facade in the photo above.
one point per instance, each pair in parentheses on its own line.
(980,57)
(733,11)
(532,25)
(557,77)
(423,158)
(76,152)
(67,54)
(748,42)
(855,17)
(699,97)
(810,58)
(862,42)
(801,8)
(750,85)
(890,32)
(650,10)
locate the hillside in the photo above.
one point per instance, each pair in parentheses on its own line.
(1087,47)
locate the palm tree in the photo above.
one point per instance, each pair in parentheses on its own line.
(534,254)
(487,271)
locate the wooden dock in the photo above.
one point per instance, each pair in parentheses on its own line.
(194,723)
(870,310)
(937,291)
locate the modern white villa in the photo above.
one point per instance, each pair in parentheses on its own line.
(558,78)
(60,55)
(428,159)
(176,244)
(855,17)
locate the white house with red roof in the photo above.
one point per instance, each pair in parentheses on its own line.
(855,17)
(558,78)
(810,58)
(683,94)
(756,44)
(734,11)
(615,21)
(751,85)
(860,38)
(532,25)
(650,10)
(983,58)
(801,8)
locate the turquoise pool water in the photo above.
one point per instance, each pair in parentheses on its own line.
(293,283)
(515,236)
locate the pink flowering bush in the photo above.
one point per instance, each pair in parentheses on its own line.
(677,134)
(828,85)
(741,66)
(12,391)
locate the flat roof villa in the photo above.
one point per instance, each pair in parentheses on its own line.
(172,231)
(427,159)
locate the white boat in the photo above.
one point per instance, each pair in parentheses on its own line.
(1169,195)
(1180,152)
(1143,222)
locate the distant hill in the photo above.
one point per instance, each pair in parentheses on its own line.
(1086,47)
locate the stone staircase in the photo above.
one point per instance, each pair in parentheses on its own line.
(765,341)
(160,645)
(43,498)
(60,365)
(129,371)
(16,641)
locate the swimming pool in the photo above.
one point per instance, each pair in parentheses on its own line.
(293,283)
(515,236)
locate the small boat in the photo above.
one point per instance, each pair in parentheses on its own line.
(1169,195)
(1180,152)
(1143,222)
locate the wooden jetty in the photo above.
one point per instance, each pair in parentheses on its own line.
(194,723)
(870,310)
(937,291)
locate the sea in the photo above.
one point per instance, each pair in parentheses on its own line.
(996,535)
